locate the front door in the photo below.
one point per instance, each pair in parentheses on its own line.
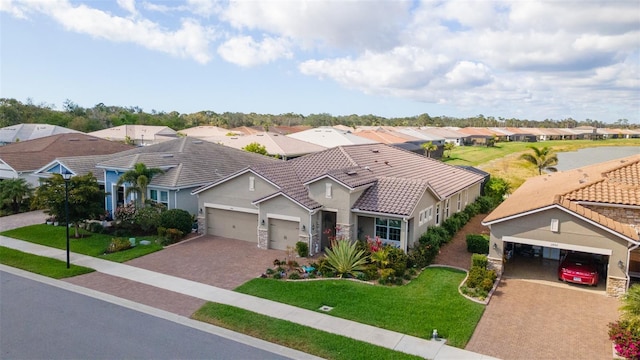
(328,227)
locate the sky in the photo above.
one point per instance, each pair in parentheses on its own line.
(522,59)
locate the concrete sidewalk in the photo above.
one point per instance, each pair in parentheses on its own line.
(400,342)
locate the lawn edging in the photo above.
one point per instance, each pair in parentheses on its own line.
(483,302)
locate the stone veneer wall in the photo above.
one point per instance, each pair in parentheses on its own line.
(343,231)
(201,225)
(616,287)
(263,238)
(495,264)
(623,215)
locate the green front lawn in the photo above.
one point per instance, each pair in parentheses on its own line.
(91,245)
(299,337)
(39,264)
(431,301)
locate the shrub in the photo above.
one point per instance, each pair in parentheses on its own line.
(294,276)
(162,231)
(177,219)
(399,281)
(386,274)
(148,218)
(270,271)
(478,243)
(302,248)
(345,259)
(126,214)
(486,284)
(95,227)
(118,244)
(172,236)
(626,339)
(485,204)
(397,261)
(472,209)
(452,225)
(371,272)
(423,254)
(476,275)
(277,275)
(479,260)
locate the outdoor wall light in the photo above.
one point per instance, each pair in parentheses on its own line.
(620,264)
(304,228)
(495,246)
(262,222)
(200,211)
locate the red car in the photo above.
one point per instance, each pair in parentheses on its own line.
(579,269)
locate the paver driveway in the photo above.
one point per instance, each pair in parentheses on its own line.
(530,320)
(220,262)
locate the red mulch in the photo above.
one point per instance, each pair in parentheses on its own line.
(455,252)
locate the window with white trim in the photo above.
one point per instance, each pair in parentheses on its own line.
(388,229)
(438,214)
(429,213)
(422,216)
(159,197)
(252,183)
(459,201)
(446,209)
(327,190)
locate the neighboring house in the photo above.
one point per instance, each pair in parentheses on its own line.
(142,135)
(449,135)
(278,129)
(391,136)
(24,132)
(593,210)
(205,131)
(23,159)
(480,136)
(348,191)
(330,137)
(275,144)
(188,164)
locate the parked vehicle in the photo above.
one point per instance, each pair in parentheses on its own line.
(578,268)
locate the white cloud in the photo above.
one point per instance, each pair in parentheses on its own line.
(245,51)
(191,40)
(128,5)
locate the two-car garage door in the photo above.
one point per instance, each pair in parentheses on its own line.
(232,224)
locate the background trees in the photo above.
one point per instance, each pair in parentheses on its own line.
(255,147)
(86,200)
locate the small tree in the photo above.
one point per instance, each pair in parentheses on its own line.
(345,258)
(85,198)
(448,147)
(13,191)
(428,148)
(255,147)
(542,159)
(138,179)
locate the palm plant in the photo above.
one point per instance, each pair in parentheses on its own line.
(14,191)
(345,258)
(542,158)
(631,307)
(428,148)
(138,179)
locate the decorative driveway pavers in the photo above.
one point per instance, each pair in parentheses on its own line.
(530,320)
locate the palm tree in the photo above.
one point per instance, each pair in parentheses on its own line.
(543,159)
(428,148)
(14,191)
(448,147)
(138,179)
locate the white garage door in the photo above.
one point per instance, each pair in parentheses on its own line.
(282,233)
(232,224)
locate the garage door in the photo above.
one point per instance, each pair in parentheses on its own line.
(282,233)
(232,224)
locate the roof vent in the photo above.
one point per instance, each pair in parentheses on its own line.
(74,139)
(259,134)
(352,172)
(167,155)
(375,151)
(367,168)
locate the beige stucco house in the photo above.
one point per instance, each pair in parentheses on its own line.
(594,210)
(347,191)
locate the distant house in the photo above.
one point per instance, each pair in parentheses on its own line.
(141,135)
(450,135)
(23,159)
(277,145)
(351,192)
(391,136)
(594,210)
(330,137)
(24,132)
(481,136)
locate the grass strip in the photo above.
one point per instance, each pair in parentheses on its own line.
(45,266)
(90,244)
(299,337)
(430,301)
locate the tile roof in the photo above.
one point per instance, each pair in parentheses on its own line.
(274,143)
(24,132)
(613,182)
(397,176)
(31,155)
(444,132)
(151,132)
(385,136)
(330,137)
(188,162)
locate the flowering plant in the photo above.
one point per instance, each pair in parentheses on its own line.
(626,340)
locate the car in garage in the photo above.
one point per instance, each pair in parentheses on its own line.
(578,268)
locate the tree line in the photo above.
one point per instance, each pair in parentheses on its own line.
(102,116)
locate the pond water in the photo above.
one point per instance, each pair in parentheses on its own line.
(588,156)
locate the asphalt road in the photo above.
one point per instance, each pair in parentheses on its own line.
(41,321)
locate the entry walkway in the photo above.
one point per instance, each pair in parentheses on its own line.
(400,342)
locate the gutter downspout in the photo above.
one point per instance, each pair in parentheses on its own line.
(406,234)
